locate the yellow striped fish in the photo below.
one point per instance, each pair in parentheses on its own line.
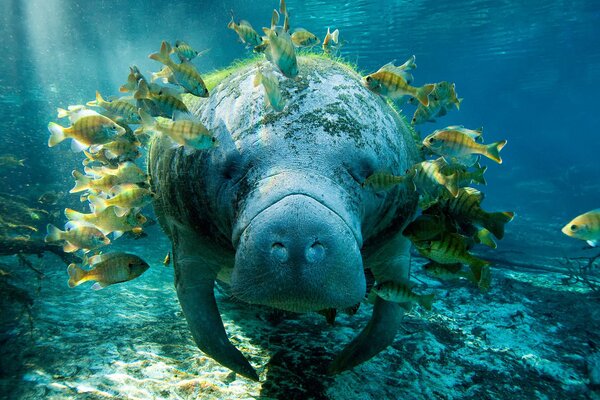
(124,198)
(401,293)
(585,227)
(383,181)
(426,227)
(107,221)
(331,39)
(392,81)
(466,207)
(124,149)
(455,144)
(185,73)
(184,132)
(451,248)
(246,33)
(163,104)
(77,236)
(273,96)
(132,80)
(428,179)
(107,269)
(281,51)
(303,38)
(86,131)
(120,108)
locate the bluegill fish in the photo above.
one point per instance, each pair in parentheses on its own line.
(184,132)
(428,179)
(108,269)
(246,33)
(451,248)
(456,144)
(303,38)
(184,51)
(273,96)
(132,80)
(392,81)
(281,51)
(383,181)
(107,221)
(85,131)
(77,236)
(119,108)
(400,293)
(125,197)
(121,148)
(466,176)
(128,171)
(185,73)
(466,206)
(331,39)
(163,104)
(585,227)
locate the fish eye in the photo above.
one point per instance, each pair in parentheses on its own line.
(368,79)
(214,139)
(574,227)
(431,140)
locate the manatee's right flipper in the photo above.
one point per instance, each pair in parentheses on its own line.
(194,281)
(375,337)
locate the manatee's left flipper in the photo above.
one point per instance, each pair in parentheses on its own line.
(390,263)
(375,337)
(194,281)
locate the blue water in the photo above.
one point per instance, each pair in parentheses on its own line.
(528,72)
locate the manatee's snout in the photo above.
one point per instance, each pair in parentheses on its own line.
(298,255)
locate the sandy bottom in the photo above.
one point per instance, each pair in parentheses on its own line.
(530,336)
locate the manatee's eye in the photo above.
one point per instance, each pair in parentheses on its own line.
(213,139)
(574,227)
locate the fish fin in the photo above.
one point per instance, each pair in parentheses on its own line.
(99,285)
(76,275)
(593,243)
(258,78)
(478,176)
(54,234)
(494,222)
(485,278)
(97,204)
(485,237)
(274,19)
(57,134)
(70,248)
(179,115)
(458,102)
(442,112)
(62,113)
(409,64)
(493,150)
(73,215)
(147,120)
(143,92)
(244,22)
(96,259)
(426,301)
(450,182)
(163,55)
(121,212)
(77,146)
(335,35)
(82,182)
(423,92)
(117,234)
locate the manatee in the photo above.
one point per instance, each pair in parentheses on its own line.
(277,213)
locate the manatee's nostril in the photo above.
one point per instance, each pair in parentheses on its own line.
(279,252)
(315,253)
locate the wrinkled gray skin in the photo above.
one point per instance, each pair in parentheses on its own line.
(277,210)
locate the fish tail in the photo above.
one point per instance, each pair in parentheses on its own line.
(457,103)
(494,222)
(143,92)
(335,36)
(98,204)
(426,301)
(57,134)
(231,24)
(485,279)
(82,182)
(147,121)
(54,234)
(73,215)
(485,237)
(422,93)
(451,183)
(478,176)
(62,113)
(76,275)
(98,102)
(493,150)
(163,55)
